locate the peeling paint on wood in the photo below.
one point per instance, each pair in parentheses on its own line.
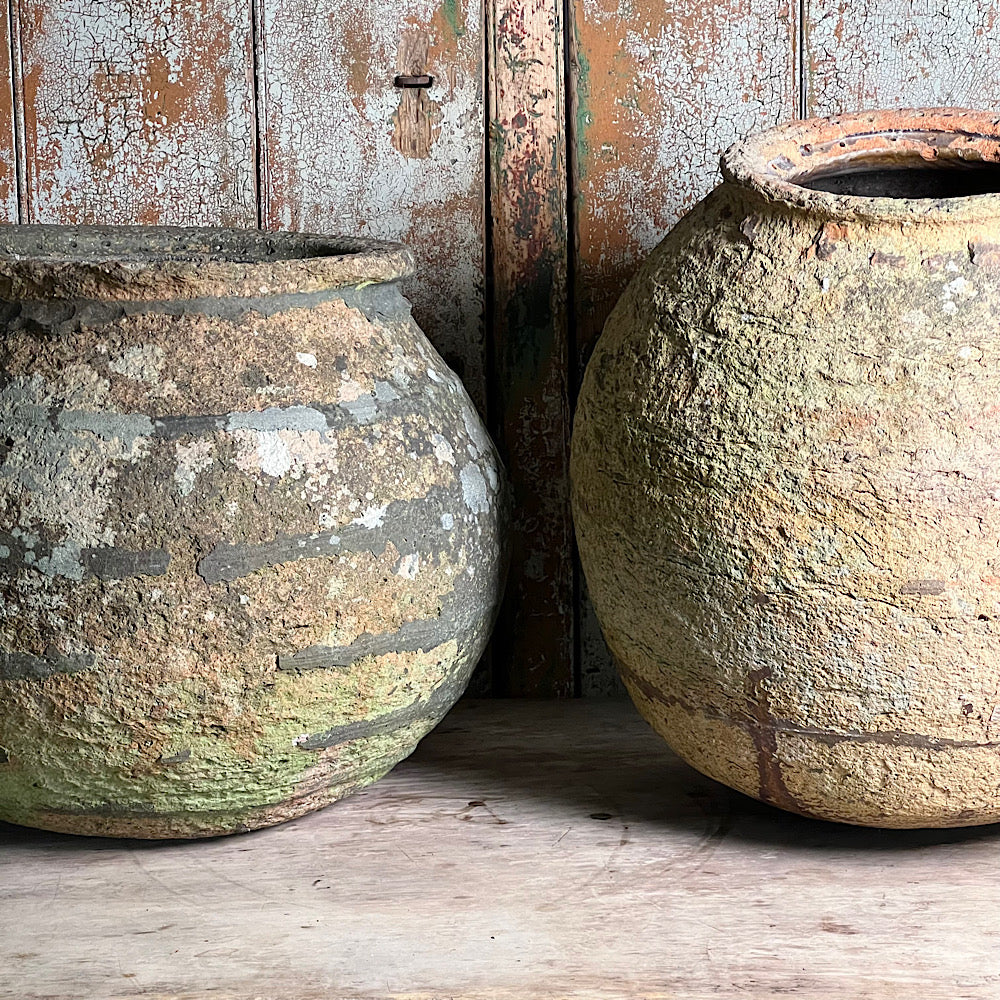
(138,112)
(8,154)
(534,645)
(345,150)
(892,54)
(658,92)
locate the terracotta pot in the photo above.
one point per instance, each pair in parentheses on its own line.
(786,472)
(250,528)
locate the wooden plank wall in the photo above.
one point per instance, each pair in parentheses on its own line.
(605,117)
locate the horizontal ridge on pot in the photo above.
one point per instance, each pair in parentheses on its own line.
(786,472)
(251,541)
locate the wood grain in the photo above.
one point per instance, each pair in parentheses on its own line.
(659,90)
(8,137)
(346,151)
(528,191)
(138,112)
(529,850)
(905,52)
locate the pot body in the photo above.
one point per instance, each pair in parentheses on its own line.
(251,529)
(786,487)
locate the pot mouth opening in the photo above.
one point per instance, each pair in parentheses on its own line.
(917,163)
(194,260)
(893,177)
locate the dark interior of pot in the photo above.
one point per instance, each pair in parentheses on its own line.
(886,177)
(153,245)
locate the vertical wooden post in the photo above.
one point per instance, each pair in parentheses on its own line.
(8,132)
(528,193)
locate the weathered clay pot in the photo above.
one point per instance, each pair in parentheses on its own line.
(786,468)
(249,532)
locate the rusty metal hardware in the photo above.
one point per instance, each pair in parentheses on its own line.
(421,82)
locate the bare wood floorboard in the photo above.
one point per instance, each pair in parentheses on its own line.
(525,850)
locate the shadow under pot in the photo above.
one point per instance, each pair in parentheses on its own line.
(786,472)
(250,527)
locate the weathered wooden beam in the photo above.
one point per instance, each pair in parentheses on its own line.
(658,91)
(528,193)
(137,116)
(901,52)
(8,122)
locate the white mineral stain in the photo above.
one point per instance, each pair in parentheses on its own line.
(401,377)
(66,472)
(272,453)
(443,450)
(303,358)
(191,459)
(917,320)
(474,490)
(408,566)
(385,393)
(373,517)
(141,364)
(959,288)
(493,476)
(447,521)
(478,439)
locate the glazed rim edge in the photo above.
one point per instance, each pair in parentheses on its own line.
(182,262)
(773,162)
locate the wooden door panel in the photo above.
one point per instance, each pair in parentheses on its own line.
(138,112)
(900,52)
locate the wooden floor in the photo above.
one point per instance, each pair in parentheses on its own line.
(529,850)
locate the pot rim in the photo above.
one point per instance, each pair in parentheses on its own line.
(171,262)
(772,161)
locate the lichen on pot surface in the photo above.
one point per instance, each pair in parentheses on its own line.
(786,472)
(250,527)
